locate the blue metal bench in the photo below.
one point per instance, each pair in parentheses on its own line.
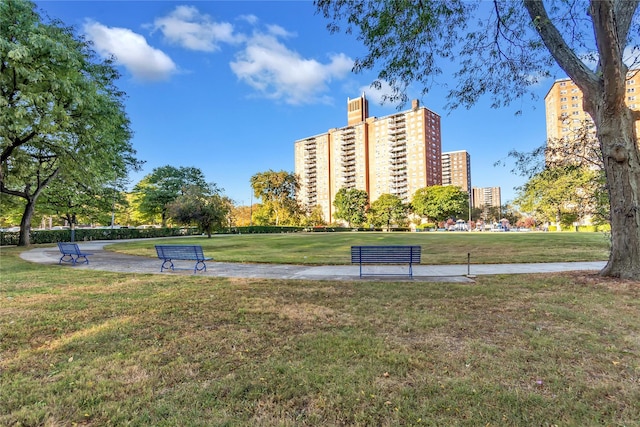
(170,253)
(386,255)
(72,253)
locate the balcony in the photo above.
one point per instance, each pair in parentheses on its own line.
(349,179)
(398,161)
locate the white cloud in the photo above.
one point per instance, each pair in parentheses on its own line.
(377,95)
(251,19)
(282,74)
(131,51)
(189,28)
(631,56)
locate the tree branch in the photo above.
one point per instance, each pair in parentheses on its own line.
(561,52)
(623,11)
(609,50)
(6,153)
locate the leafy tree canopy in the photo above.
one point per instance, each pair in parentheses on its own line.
(387,210)
(439,202)
(60,111)
(558,193)
(164,185)
(205,206)
(351,205)
(277,190)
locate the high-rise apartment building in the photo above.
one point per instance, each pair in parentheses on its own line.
(484,197)
(395,154)
(456,169)
(567,121)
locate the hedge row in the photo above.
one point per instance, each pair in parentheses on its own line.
(88,234)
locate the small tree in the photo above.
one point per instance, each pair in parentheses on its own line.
(205,207)
(314,217)
(277,190)
(388,209)
(156,191)
(439,202)
(561,195)
(351,205)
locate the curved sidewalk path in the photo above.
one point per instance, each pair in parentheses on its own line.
(117,262)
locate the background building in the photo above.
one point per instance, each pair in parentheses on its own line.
(395,154)
(456,169)
(484,197)
(567,121)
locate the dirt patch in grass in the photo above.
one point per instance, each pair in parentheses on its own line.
(613,284)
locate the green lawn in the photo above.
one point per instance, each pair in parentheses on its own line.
(81,347)
(437,248)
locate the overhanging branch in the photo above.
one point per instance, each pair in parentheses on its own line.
(559,49)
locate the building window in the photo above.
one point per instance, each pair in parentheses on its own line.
(631,89)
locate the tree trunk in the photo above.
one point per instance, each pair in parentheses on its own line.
(616,133)
(25,223)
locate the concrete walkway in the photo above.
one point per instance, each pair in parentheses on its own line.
(116,262)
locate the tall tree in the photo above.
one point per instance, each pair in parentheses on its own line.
(439,202)
(502,48)
(205,206)
(164,185)
(277,190)
(60,110)
(387,210)
(351,206)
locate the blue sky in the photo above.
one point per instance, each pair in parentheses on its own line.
(228,86)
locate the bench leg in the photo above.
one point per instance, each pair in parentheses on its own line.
(200,266)
(86,260)
(71,259)
(166,264)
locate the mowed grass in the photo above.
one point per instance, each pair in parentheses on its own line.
(437,248)
(90,348)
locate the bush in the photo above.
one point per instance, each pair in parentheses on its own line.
(428,226)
